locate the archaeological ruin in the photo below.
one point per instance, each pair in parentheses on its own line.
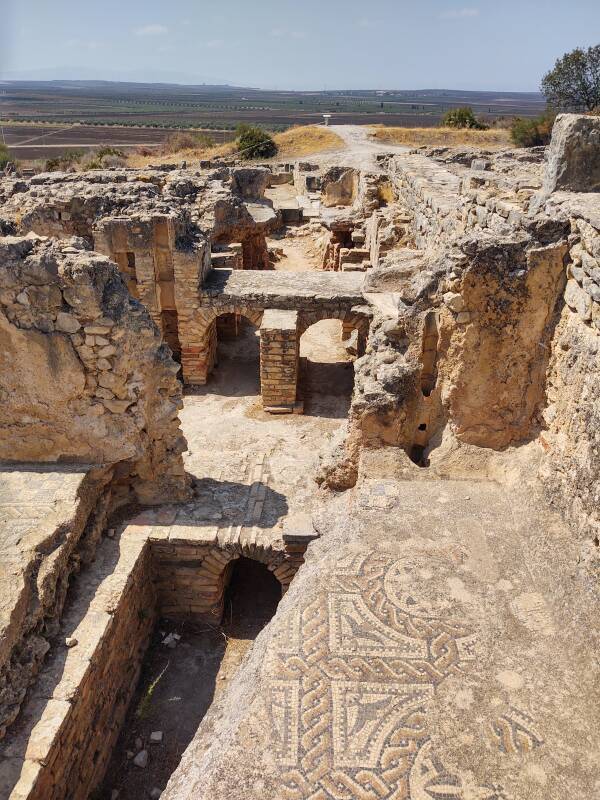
(300,476)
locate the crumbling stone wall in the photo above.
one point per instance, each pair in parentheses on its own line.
(84,375)
(570,467)
(494,333)
(34,590)
(71,722)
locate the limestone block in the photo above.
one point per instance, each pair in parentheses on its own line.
(67,323)
(577,299)
(454,301)
(573,159)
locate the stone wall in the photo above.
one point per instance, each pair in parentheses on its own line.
(191,576)
(70,724)
(58,511)
(570,467)
(495,331)
(84,367)
(71,719)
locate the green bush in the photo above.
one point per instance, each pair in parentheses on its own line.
(4,156)
(463,118)
(64,161)
(104,157)
(534,132)
(253,142)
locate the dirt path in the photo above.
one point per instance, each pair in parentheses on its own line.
(300,253)
(360,150)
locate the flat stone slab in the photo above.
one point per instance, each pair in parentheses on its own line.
(438,643)
(31,492)
(274,289)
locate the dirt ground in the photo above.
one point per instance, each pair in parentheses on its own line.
(300,253)
(178,685)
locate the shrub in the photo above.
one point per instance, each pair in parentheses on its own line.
(104,157)
(4,156)
(463,118)
(534,132)
(65,161)
(253,142)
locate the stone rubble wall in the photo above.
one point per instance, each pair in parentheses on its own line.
(570,468)
(495,330)
(34,600)
(73,717)
(85,366)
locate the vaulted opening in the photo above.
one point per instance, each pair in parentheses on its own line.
(326,368)
(251,598)
(237,362)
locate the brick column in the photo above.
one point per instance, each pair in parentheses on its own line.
(197,335)
(279,347)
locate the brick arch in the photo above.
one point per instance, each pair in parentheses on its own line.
(347,318)
(214,571)
(206,332)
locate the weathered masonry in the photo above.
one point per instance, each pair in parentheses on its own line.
(159,271)
(283,305)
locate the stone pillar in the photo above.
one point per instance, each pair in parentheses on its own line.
(255,253)
(279,349)
(195,325)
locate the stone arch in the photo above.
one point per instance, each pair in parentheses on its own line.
(215,569)
(207,333)
(347,318)
(350,321)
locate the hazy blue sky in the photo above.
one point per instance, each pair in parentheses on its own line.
(299,44)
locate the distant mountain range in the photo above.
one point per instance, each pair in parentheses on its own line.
(85,75)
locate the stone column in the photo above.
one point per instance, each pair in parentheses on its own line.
(195,325)
(279,349)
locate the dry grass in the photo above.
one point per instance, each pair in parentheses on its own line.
(443,137)
(304,140)
(193,154)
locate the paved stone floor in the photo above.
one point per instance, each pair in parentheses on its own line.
(31,492)
(439,643)
(233,446)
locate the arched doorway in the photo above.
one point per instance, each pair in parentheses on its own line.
(237,354)
(326,369)
(251,598)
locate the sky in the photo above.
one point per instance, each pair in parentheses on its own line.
(296,44)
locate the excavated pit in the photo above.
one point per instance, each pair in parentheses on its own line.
(127,662)
(179,683)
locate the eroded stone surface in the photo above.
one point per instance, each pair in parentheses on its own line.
(382,675)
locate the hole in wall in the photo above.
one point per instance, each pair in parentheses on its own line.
(418,457)
(237,364)
(326,370)
(251,598)
(423,426)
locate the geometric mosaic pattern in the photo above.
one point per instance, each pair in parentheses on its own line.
(356,670)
